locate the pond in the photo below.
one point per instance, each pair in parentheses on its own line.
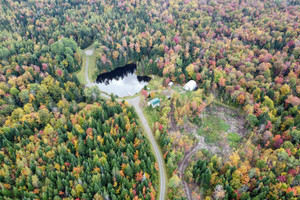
(122,81)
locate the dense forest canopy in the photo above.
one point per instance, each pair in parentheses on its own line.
(59,139)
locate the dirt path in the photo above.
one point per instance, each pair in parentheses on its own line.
(89,83)
(200,145)
(186,160)
(88,53)
(236,125)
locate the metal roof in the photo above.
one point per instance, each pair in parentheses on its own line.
(154,101)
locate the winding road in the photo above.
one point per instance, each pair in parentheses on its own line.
(135,102)
(185,162)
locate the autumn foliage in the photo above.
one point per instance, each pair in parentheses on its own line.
(59,139)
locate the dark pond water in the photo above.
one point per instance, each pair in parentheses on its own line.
(122,81)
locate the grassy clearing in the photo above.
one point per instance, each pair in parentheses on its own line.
(152,115)
(177,88)
(155,82)
(219,103)
(234,139)
(92,68)
(80,74)
(212,128)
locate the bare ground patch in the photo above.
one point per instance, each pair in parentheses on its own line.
(221,148)
(233,118)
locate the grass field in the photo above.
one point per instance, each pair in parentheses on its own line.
(152,115)
(155,82)
(234,139)
(92,68)
(212,127)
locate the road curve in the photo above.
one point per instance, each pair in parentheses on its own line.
(135,102)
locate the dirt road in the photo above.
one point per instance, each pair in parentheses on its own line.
(135,102)
(88,53)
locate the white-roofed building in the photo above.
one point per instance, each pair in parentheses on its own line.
(190,86)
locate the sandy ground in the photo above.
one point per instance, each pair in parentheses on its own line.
(89,52)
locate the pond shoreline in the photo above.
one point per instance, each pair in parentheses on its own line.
(122,82)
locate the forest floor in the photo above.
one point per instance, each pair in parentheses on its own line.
(88,65)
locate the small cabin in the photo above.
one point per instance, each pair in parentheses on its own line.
(154,102)
(190,86)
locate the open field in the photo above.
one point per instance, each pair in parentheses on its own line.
(92,68)
(212,128)
(155,82)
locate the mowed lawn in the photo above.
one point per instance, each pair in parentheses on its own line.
(92,68)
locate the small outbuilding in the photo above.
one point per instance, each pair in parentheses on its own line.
(170,84)
(154,102)
(190,86)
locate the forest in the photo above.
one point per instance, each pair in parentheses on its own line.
(62,140)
